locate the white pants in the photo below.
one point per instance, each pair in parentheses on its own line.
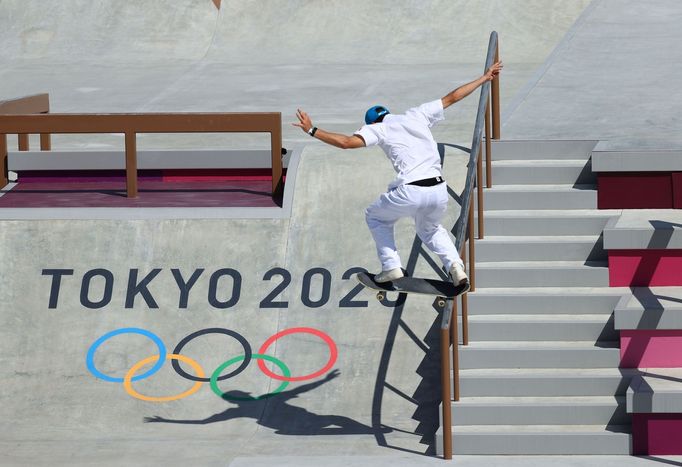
(426,205)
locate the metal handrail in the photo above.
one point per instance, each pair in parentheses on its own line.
(488,103)
(463,224)
(132,124)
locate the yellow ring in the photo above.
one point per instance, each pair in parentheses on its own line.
(127,380)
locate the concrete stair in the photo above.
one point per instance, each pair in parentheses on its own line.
(545,382)
(538,354)
(540,248)
(540,374)
(545,300)
(531,222)
(539,439)
(508,197)
(542,274)
(533,172)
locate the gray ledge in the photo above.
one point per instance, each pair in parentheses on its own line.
(607,157)
(146,159)
(642,229)
(650,308)
(658,390)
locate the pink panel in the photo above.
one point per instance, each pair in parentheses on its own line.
(656,434)
(645,268)
(651,349)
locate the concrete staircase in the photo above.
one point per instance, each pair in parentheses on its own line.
(540,374)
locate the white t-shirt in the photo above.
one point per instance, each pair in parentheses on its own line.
(408,142)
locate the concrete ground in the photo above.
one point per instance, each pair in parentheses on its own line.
(381,406)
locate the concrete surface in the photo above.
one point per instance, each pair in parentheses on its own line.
(610,79)
(384,399)
(122,56)
(463,461)
(113,56)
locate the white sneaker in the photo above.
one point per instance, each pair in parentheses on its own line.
(390,275)
(458,275)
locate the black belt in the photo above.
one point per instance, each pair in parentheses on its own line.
(428,181)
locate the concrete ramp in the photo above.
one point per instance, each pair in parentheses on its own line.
(71,291)
(333,60)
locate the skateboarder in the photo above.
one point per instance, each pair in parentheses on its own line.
(419,190)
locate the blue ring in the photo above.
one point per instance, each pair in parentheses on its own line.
(90,359)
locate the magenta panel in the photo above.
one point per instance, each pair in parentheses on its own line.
(656,434)
(635,190)
(677,190)
(645,268)
(651,348)
(152,192)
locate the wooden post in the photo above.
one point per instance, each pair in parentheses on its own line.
(479,191)
(488,149)
(495,89)
(4,171)
(472,257)
(131,164)
(277,172)
(23,142)
(45,142)
(454,336)
(445,392)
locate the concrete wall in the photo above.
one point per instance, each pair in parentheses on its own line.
(46,337)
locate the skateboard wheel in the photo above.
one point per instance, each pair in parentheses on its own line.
(381,296)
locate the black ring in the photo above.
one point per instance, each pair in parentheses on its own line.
(242,340)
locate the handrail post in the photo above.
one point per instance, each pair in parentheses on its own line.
(472,257)
(479,190)
(454,334)
(276,149)
(445,392)
(465,319)
(4,171)
(465,314)
(131,163)
(495,91)
(488,149)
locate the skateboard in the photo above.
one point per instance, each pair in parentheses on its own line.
(442,290)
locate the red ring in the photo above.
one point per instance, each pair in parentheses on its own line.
(332,351)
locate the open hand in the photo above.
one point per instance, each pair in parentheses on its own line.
(493,71)
(304,121)
(154,419)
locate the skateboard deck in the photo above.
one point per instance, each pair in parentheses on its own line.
(416,285)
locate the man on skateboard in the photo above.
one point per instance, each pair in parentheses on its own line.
(419,190)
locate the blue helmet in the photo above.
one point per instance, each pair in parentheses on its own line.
(375,113)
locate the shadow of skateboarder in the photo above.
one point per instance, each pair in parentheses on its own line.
(276,413)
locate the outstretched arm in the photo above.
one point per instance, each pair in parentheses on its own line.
(466,89)
(335,139)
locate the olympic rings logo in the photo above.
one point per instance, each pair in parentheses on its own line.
(199,376)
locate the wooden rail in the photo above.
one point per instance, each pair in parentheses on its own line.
(132,124)
(35,104)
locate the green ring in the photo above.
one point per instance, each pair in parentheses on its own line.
(239,358)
